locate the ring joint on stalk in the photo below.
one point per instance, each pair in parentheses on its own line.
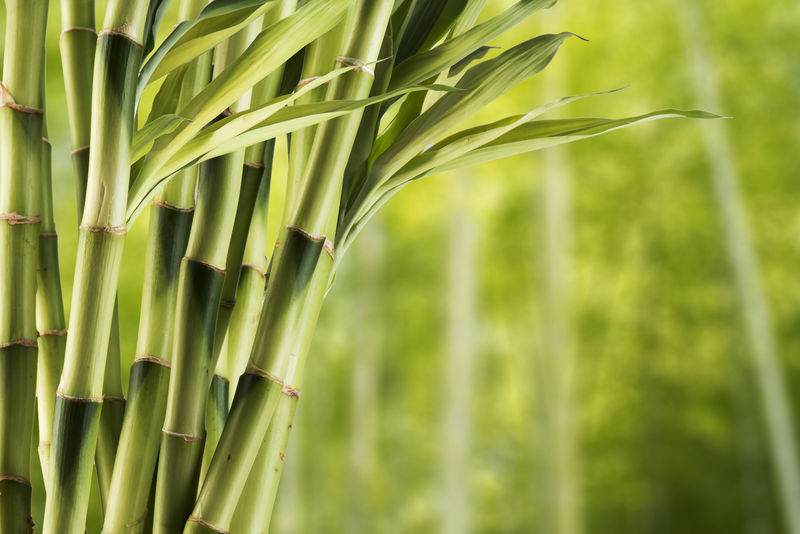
(152,359)
(48,234)
(248,265)
(360,66)
(112,398)
(46,141)
(77,29)
(20,341)
(189,438)
(113,230)
(14,218)
(73,398)
(216,268)
(129,37)
(79,150)
(253,370)
(58,333)
(16,478)
(254,165)
(7,101)
(306,81)
(173,207)
(227,303)
(327,243)
(193,519)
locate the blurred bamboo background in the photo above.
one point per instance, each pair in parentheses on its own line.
(601,338)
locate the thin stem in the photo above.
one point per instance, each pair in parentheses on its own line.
(21,118)
(102,232)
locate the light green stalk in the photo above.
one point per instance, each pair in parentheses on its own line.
(202,274)
(170,221)
(756,316)
(78,41)
(50,322)
(102,234)
(298,281)
(21,119)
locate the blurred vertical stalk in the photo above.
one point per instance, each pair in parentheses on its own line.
(560,495)
(457,384)
(367,337)
(101,237)
(21,119)
(752,301)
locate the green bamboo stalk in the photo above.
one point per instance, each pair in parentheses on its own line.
(112,412)
(200,283)
(102,233)
(21,119)
(132,483)
(50,322)
(756,317)
(299,279)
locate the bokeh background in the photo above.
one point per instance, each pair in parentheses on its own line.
(564,342)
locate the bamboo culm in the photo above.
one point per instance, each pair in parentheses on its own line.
(132,485)
(21,119)
(101,237)
(298,281)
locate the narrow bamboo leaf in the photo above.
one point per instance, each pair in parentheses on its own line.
(426,24)
(155,14)
(544,134)
(218,21)
(144,138)
(481,85)
(430,63)
(480,53)
(237,132)
(268,52)
(462,142)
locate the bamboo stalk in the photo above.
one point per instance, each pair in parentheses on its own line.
(102,233)
(299,279)
(21,119)
(200,283)
(50,322)
(756,317)
(132,483)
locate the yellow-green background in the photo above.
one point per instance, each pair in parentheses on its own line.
(670,436)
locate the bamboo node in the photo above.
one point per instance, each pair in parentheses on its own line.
(193,519)
(138,520)
(15,478)
(44,443)
(14,219)
(61,333)
(290,391)
(173,207)
(46,141)
(254,165)
(48,234)
(226,303)
(216,375)
(189,438)
(77,29)
(152,359)
(305,81)
(327,243)
(120,33)
(253,370)
(7,101)
(21,341)
(211,266)
(357,63)
(73,398)
(113,230)
(112,398)
(248,265)
(79,150)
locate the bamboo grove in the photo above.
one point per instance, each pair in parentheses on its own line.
(370,94)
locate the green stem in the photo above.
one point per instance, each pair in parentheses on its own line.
(299,279)
(132,485)
(102,233)
(200,284)
(50,322)
(21,119)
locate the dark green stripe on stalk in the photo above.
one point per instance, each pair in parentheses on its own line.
(21,119)
(102,232)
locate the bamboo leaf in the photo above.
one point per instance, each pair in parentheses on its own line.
(218,21)
(480,53)
(426,24)
(426,64)
(143,139)
(155,14)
